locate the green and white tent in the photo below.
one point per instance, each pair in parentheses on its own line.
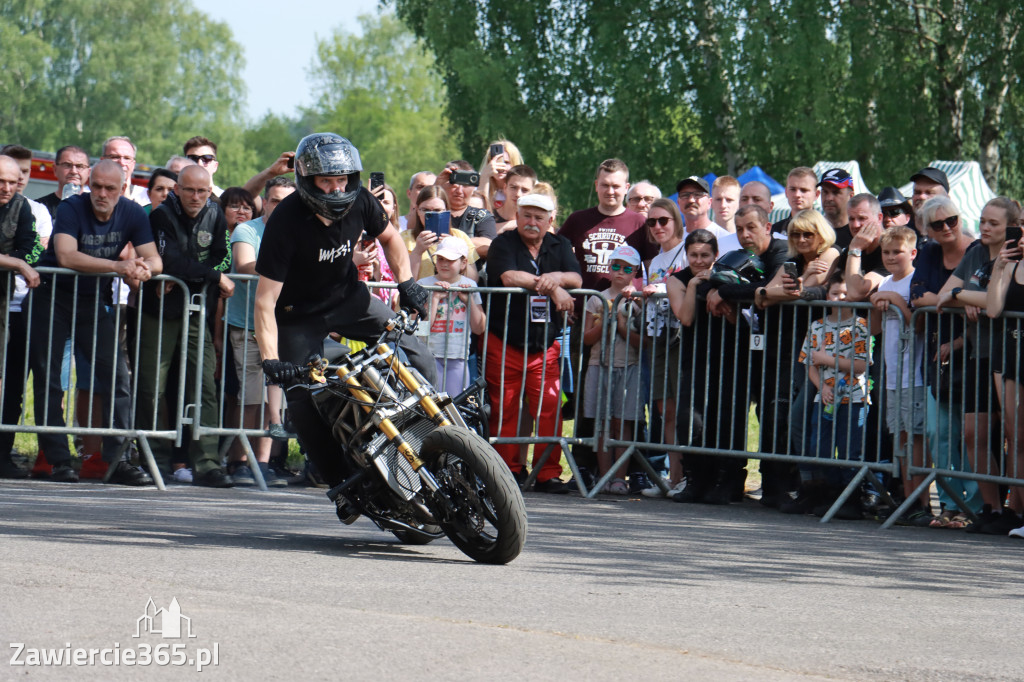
(967,188)
(780,209)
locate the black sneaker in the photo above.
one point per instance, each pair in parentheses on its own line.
(720,494)
(125,474)
(520,476)
(1001,524)
(985,516)
(553,486)
(8,469)
(64,473)
(638,482)
(806,500)
(587,477)
(214,478)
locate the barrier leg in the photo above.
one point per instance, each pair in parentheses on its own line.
(909,502)
(250,457)
(845,495)
(960,502)
(154,470)
(610,474)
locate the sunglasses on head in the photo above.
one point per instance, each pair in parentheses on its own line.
(628,269)
(663,221)
(894,212)
(949,222)
(202,158)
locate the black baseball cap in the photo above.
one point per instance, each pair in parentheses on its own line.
(693,180)
(933,174)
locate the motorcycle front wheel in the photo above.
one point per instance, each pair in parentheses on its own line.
(484,514)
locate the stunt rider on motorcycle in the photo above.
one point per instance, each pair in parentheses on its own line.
(308,286)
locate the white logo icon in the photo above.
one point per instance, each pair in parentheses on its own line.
(164,622)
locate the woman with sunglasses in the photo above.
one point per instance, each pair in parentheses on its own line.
(660,349)
(946,253)
(811,247)
(1006,294)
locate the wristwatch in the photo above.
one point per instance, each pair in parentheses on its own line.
(954,292)
(855,252)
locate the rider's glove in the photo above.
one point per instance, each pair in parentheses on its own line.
(412,295)
(279,372)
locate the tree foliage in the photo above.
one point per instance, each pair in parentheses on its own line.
(379,90)
(158,71)
(681,88)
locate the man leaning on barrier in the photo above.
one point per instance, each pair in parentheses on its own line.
(521,349)
(191,234)
(90,232)
(17,239)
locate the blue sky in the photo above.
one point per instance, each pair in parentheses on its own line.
(279,39)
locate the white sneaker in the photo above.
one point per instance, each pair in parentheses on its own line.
(653,491)
(677,488)
(183,475)
(1017,532)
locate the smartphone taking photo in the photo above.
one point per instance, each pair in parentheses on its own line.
(376,180)
(1013,235)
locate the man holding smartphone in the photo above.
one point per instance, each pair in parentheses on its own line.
(476,222)
(309,287)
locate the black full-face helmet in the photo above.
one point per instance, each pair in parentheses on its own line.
(737,267)
(327,154)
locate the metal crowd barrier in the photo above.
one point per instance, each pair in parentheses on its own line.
(54,337)
(726,376)
(971,423)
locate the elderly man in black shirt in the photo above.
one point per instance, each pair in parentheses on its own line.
(521,348)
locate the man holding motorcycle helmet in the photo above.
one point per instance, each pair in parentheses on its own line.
(309,287)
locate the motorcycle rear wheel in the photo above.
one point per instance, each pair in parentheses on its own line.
(487,518)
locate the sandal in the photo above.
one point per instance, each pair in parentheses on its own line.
(959,522)
(943,520)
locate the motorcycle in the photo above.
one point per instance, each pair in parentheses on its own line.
(421,472)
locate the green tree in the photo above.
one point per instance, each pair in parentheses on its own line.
(158,71)
(380,90)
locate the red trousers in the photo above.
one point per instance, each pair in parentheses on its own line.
(538,372)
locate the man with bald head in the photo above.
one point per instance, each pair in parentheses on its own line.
(17,247)
(191,235)
(89,235)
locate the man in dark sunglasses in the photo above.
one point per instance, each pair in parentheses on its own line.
(203,151)
(896,208)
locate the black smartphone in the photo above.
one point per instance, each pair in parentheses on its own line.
(376,180)
(1014,234)
(365,241)
(789,267)
(497,149)
(438,222)
(291,162)
(468,178)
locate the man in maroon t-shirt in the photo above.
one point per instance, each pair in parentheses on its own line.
(595,232)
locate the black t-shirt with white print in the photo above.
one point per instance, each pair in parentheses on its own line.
(313,260)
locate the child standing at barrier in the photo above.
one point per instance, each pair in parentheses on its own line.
(620,382)
(837,351)
(905,404)
(452,315)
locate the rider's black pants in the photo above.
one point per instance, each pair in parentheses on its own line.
(298,339)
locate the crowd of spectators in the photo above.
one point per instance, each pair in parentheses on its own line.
(700,312)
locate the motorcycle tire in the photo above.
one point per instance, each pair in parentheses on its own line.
(487,519)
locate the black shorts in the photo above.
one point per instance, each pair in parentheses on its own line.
(1013,366)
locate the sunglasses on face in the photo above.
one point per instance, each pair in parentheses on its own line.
(202,159)
(802,235)
(949,222)
(663,221)
(894,212)
(636,199)
(628,269)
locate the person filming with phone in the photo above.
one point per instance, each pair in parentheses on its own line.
(433,223)
(459,180)
(309,286)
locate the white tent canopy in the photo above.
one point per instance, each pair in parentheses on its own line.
(781,209)
(967,188)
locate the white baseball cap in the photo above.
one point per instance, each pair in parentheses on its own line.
(541,201)
(452,248)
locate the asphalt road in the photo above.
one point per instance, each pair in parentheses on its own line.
(605,589)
